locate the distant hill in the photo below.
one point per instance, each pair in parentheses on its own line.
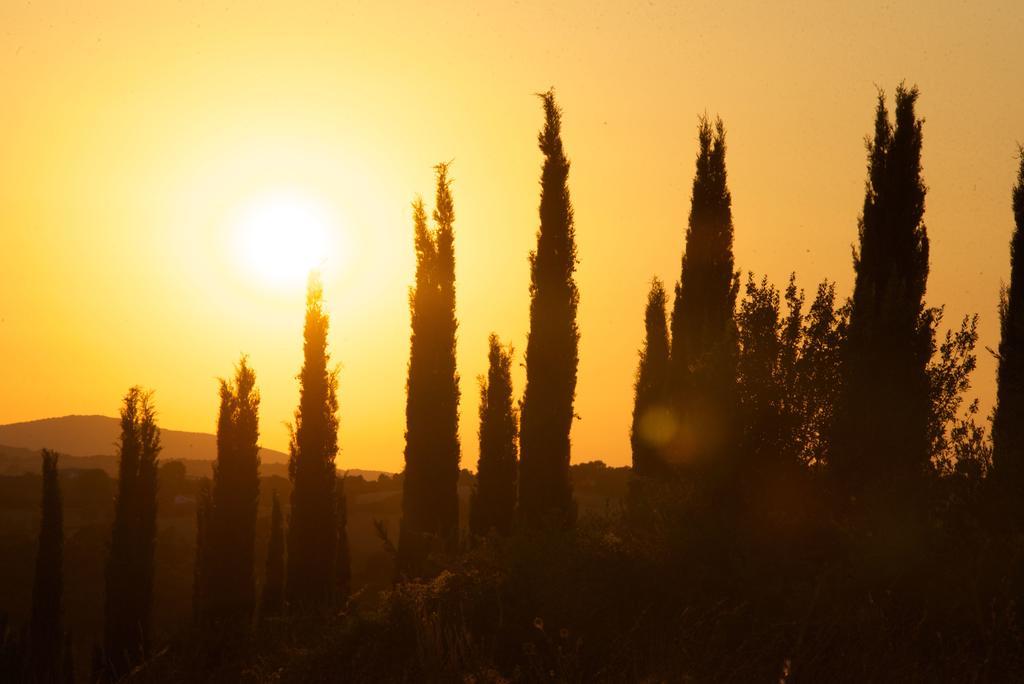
(97,435)
(90,442)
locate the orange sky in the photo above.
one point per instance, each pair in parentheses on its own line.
(131,134)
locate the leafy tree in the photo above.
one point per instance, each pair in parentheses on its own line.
(230,590)
(493,501)
(430,508)
(273,587)
(129,575)
(769,409)
(45,633)
(652,421)
(314,445)
(703,355)
(882,426)
(818,373)
(1008,418)
(552,348)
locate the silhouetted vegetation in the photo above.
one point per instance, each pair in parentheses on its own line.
(811,498)
(652,417)
(1008,416)
(129,590)
(312,534)
(492,504)
(227,591)
(702,371)
(46,638)
(881,433)
(430,511)
(552,347)
(272,603)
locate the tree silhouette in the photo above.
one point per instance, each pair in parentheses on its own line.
(314,444)
(342,560)
(652,421)
(882,428)
(230,588)
(45,635)
(493,501)
(769,345)
(1008,417)
(129,576)
(819,373)
(552,348)
(430,507)
(703,355)
(273,587)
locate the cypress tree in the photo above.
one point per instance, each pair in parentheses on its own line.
(552,348)
(651,424)
(314,445)
(273,587)
(342,560)
(493,501)
(45,633)
(882,428)
(1008,418)
(129,574)
(702,373)
(430,506)
(234,500)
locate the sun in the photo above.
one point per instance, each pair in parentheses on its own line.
(279,237)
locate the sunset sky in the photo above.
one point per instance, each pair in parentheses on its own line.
(146,148)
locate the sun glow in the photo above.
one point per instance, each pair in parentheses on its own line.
(279,238)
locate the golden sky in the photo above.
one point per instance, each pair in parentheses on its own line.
(133,135)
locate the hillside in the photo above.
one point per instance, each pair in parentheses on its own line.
(89,442)
(96,435)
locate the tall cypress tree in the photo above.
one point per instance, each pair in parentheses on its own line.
(45,633)
(649,431)
(493,501)
(235,497)
(430,505)
(273,586)
(342,558)
(702,374)
(314,445)
(552,348)
(1008,418)
(129,575)
(882,421)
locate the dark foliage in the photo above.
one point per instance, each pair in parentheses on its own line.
(652,425)
(45,630)
(229,591)
(311,529)
(882,430)
(273,586)
(342,560)
(493,501)
(129,576)
(1008,418)
(552,348)
(430,512)
(703,355)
